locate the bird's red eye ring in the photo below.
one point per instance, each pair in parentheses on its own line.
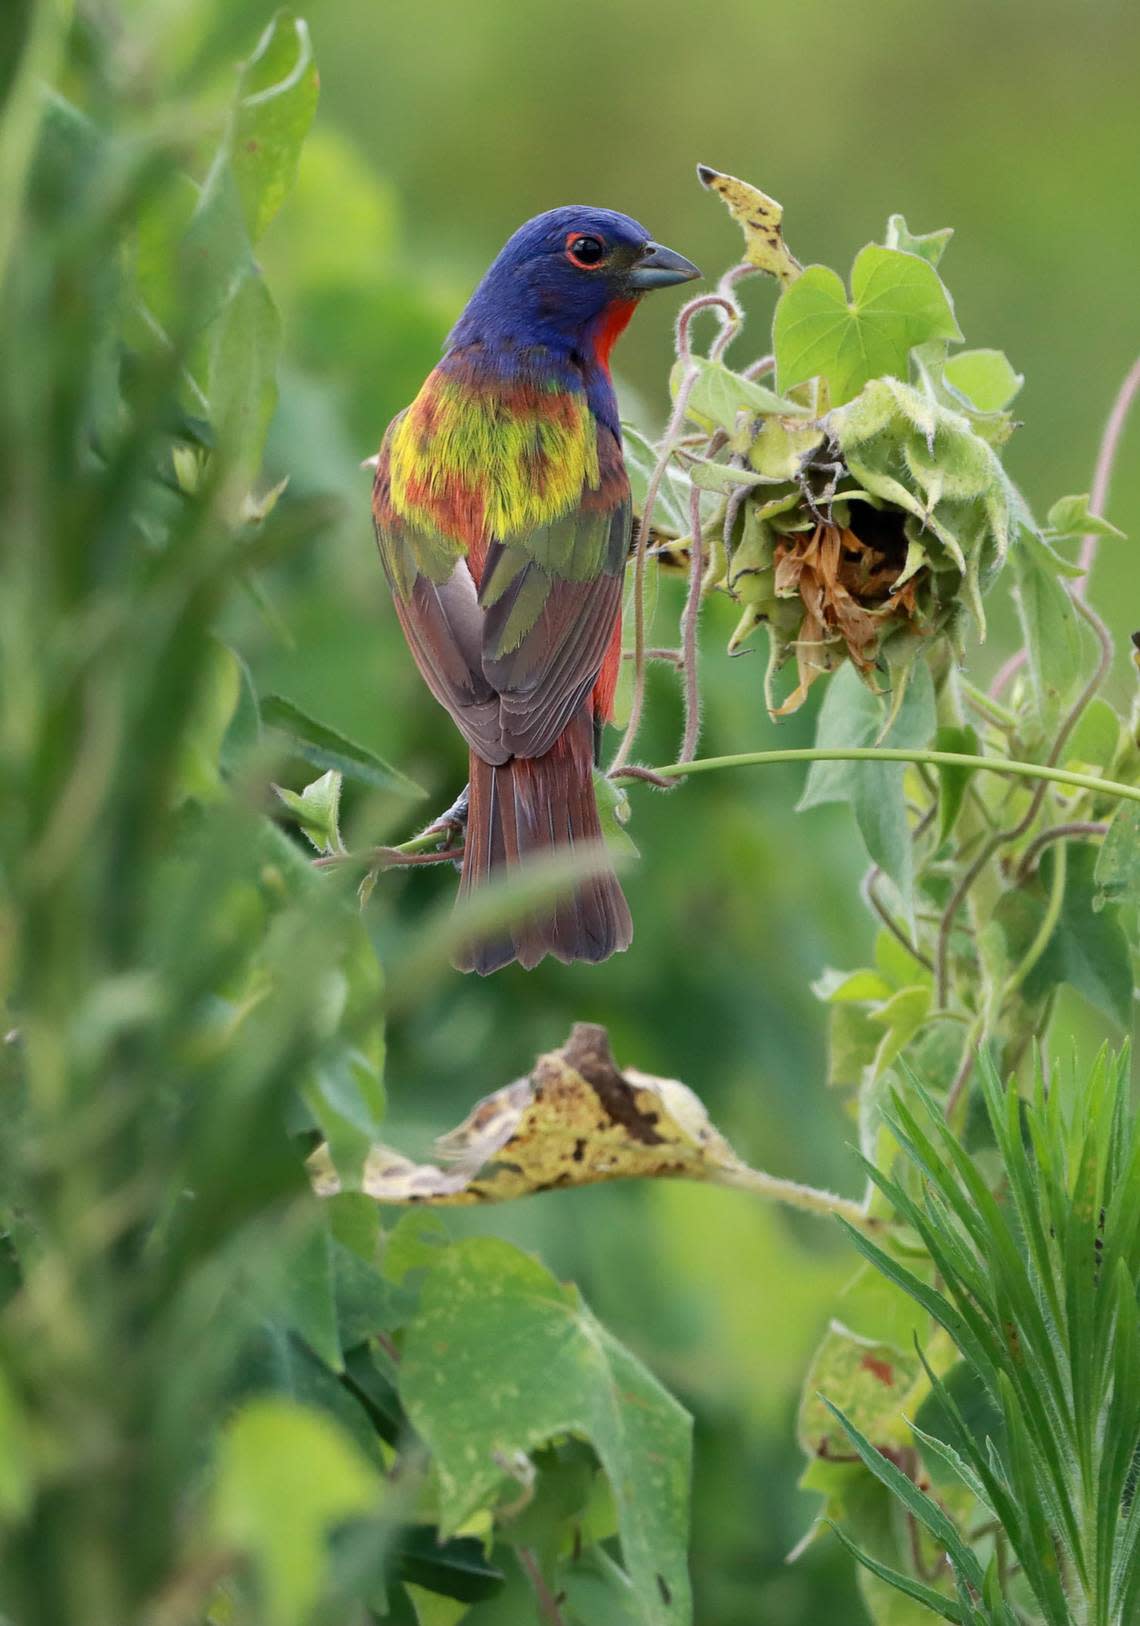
(585,251)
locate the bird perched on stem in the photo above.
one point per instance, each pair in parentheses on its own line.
(502,513)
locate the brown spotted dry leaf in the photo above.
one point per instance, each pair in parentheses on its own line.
(575,1121)
(759,217)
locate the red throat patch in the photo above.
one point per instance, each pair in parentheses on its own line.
(613,323)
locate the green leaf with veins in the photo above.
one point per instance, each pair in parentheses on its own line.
(984,377)
(719,396)
(596,1590)
(457,1568)
(241,375)
(317,810)
(929,246)
(1058,658)
(671,509)
(1088,949)
(1070,517)
(502,1358)
(851,716)
(1117,872)
(1094,742)
(277,99)
(897,301)
(324,747)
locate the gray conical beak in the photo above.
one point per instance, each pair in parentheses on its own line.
(660,267)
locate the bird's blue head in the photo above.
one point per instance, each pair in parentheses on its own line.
(568,281)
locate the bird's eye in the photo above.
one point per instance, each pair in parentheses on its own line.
(585,251)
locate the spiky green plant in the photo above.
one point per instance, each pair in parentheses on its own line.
(1036,1278)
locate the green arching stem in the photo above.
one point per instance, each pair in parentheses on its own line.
(999,715)
(1046,929)
(871,753)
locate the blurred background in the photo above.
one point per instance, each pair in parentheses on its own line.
(441,127)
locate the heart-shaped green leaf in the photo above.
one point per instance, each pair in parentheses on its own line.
(897,301)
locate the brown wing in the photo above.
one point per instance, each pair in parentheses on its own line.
(514,660)
(552,598)
(439,612)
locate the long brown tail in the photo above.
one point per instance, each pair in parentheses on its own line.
(526,807)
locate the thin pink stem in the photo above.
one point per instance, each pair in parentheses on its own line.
(704,302)
(730,320)
(690,650)
(1006,671)
(1102,479)
(644,531)
(758,368)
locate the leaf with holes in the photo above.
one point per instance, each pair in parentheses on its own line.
(501,1358)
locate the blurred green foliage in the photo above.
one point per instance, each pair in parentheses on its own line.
(440,128)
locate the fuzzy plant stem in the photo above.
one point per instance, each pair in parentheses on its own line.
(1105,462)
(690,644)
(730,319)
(808,1199)
(1057,832)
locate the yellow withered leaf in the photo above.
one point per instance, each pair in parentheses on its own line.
(759,217)
(575,1121)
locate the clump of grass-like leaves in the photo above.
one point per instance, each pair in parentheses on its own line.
(1036,1284)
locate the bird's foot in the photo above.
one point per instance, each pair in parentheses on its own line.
(451,823)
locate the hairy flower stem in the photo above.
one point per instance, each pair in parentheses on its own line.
(808,1199)
(1102,478)
(690,647)
(1057,832)
(730,323)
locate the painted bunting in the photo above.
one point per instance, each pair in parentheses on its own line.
(502,511)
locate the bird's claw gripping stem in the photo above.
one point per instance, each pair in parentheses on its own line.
(452,822)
